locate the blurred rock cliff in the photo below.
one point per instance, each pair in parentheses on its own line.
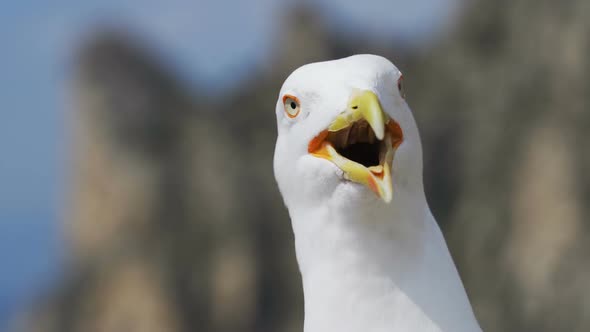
(175,223)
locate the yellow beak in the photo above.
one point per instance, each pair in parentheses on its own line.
(362,105)
(363,108)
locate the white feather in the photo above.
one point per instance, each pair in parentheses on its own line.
(366,265)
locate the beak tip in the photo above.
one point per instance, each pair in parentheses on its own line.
(387,199)
(380,134)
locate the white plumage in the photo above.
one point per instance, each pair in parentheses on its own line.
(370,260)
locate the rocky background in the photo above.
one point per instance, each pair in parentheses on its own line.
(175,223)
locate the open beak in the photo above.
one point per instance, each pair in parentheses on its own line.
(362,141)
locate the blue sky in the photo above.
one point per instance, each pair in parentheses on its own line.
(204,40)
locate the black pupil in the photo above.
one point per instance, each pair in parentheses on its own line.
(293,105)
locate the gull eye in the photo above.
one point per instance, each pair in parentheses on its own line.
(400,86)
(291,105)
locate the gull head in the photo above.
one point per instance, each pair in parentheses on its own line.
(345,132)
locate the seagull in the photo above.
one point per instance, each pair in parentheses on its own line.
(348,163)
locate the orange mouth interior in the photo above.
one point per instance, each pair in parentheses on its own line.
(361,156)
